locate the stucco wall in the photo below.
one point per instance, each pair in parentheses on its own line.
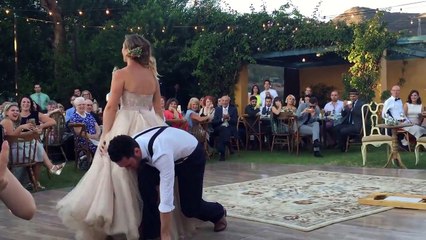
(414,74)
(241,98)
(330,76)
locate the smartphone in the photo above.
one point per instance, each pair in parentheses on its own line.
(32,121)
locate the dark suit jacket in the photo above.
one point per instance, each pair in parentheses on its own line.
(265,112)
(356,114)
(233,117)
(251,111)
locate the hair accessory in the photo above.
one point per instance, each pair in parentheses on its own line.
(135,52)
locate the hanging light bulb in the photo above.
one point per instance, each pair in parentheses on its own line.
(107,11)
(80,12)
(50,13)
(303,60)
(7,11)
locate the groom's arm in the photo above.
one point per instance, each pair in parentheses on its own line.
(165,219)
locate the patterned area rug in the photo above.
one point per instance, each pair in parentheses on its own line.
(308,200)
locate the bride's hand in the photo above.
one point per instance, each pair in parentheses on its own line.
(103,148)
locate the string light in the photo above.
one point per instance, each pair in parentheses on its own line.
(7,11)
(107,11)
(80,12)
(50,13)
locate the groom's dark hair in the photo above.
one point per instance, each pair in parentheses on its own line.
(122,146)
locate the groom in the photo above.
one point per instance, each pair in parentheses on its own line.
(158,155)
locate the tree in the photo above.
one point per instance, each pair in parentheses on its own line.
(371,38)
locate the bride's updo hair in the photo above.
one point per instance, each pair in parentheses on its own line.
(139,49)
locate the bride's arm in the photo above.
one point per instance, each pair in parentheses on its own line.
(157,101)
(117,85)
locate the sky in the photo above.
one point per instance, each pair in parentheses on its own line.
(331,8)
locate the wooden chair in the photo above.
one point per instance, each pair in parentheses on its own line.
(282,130)
(23,154)
(420,142)
(252,126)
(235,138)
(55,136)
(83,154)
(373,136)
(406,137)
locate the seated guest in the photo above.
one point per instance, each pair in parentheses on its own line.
(394,108)
(194,120)
(307,121)
(13,128)
(266,110)
(251,109)
(89,109)
(252,112)
(277,125)
(173,117)
(333,111)
(351,120)
(208,109)
(29,113)
(277,106)
(225,125)
(290,100)
(256,92)
(92,128)
(413,112)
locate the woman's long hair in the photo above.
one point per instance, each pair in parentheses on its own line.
(139,49)
(419,100)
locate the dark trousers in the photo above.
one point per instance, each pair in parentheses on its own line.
(224,135)
(190,175)
(342,131)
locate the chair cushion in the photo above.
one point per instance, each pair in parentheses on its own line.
(421,140)
(376,138)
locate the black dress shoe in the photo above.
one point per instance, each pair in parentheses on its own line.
(318,154)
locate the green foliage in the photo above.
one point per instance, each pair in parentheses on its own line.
(201,47)
(322,93)
(385,95)
(371,38)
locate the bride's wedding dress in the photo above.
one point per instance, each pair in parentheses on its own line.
(106,201)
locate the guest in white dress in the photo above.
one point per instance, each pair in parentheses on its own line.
(413,112)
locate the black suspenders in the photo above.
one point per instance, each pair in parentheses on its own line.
(151,141)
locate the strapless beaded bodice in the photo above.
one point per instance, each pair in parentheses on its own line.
(136,102)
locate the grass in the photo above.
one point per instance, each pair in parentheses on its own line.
(376,158)
(68,178)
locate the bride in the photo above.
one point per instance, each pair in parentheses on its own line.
(106,201)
